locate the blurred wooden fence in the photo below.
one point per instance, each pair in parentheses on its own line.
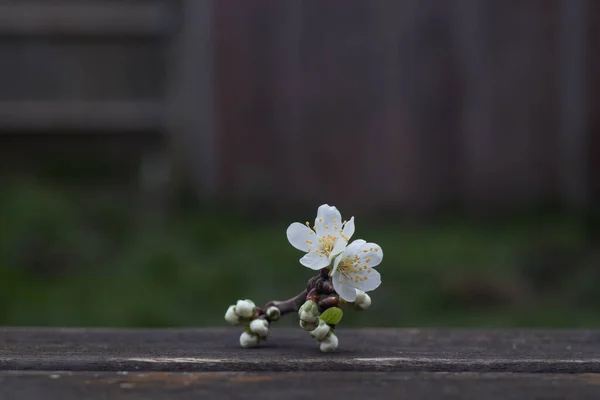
(365,104)
(82,65)
(106,78)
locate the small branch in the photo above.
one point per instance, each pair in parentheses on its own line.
(289,305)
(319,288)
(328,302)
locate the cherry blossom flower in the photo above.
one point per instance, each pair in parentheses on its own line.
(354,269)
(327,238)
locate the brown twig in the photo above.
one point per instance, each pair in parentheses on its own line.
(319,288)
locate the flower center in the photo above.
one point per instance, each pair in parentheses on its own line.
(326,244)
(350,267)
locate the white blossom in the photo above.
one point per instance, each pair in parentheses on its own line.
(355,269)
(231,316)
(321,331)
(260,327)
(362,301)
(245,308)
(248,340)
(327,238)
(329,344)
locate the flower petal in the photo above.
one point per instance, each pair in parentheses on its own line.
(371,279)
(348,230)
(340,246)
(354,247)
(349,251)
(340,284)
(336,262)
(370,254)
(328,221)
(300,236)
(314,260)
(361,258)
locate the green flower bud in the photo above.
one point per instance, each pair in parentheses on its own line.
(309,312)
(309,326)
(321,331)
(273,313)
(231,316)
(245,308)
(329,344)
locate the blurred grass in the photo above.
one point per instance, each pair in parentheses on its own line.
(67,260)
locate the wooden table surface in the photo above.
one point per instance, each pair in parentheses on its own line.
(370,364)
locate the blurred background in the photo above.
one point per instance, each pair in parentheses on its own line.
(153,153)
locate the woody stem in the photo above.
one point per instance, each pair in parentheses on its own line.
(319,288)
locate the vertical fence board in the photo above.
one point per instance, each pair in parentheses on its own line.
(366,104)
(573,86)
(593,102)
(190,96)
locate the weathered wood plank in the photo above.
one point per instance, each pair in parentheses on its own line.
(294,385)
(86,116)
(44,69)
(152,17)
(293,350)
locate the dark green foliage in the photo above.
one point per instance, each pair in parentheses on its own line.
(69,260)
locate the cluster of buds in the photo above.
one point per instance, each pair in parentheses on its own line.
(317,327)
(256,321)
(246,314)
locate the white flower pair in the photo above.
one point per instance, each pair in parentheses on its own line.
(352,266)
